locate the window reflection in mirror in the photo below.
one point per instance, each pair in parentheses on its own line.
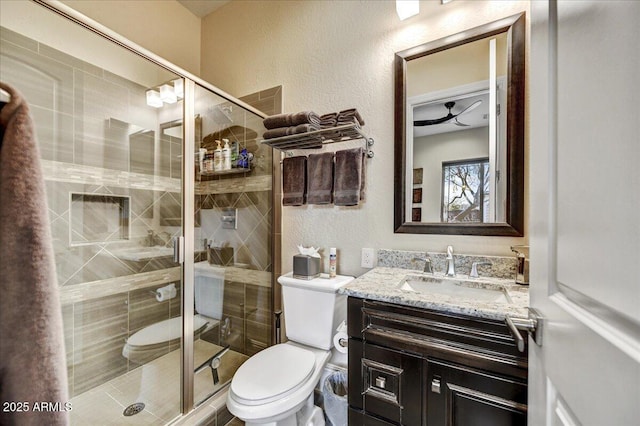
(465,191)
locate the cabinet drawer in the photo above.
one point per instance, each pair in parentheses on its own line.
(483,343)
(461,395)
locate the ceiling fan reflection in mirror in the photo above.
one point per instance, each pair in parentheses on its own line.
(450,117)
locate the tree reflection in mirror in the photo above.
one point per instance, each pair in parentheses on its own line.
(465,191)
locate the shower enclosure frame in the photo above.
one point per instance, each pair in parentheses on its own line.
(186,241)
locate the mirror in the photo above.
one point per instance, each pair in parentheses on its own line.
(459,133)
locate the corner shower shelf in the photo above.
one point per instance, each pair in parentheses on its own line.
(319,138)
(233,171)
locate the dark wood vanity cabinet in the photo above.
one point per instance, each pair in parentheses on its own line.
(411,366)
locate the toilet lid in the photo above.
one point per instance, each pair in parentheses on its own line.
(272,374)
(163,331)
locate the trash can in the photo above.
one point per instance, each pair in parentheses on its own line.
(334,394)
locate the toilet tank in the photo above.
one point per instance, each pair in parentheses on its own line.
(313,309)
(209,289)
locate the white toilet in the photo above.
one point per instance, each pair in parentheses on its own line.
(152,341)
(275,386)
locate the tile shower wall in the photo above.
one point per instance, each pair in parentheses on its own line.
(84,119)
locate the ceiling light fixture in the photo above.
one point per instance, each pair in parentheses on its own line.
(153,98)
(178,87)
(407,8)
(167,94)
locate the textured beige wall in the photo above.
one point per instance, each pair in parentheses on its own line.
(330,55)
(164,27)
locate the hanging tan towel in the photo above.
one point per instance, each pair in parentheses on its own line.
(320,178)
(348,177)
(32,354)
(294,184)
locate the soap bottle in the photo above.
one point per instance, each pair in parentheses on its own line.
(217,158)
(226,155)
(332,262)
(234,154)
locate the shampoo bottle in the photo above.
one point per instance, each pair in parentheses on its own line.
(332,262)
(226,155)
(217,158)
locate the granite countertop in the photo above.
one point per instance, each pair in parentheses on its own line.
(382,284)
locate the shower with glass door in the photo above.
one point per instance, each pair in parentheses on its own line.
(164,263)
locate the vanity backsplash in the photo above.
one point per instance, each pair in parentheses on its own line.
(500,266)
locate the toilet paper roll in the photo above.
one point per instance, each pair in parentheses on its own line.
(339,339)
(166,293)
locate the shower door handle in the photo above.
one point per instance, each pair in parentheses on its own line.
(178,249)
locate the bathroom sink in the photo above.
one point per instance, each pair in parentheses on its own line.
(445,286)
(138,254)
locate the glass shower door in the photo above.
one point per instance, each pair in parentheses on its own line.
(232,240)
(111,159)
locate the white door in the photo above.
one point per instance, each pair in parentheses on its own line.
(585,212)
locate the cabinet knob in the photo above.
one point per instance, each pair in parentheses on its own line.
(435,385)
(381,382)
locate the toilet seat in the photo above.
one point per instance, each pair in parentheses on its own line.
(163,332)
(272,374)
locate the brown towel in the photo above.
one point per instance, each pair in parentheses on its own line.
(348,177)
(320,178)
(294,174)
(279,132)
(349,116)
(292,119)
(329,120)
(32,355)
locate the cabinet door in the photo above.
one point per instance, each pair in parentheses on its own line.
(391,385)
(459,395)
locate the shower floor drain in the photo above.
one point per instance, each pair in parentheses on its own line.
(133,409)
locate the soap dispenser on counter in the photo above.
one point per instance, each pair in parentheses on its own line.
(522,267)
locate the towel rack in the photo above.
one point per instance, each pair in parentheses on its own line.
(318,138)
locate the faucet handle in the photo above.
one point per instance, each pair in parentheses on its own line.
(474,269)
(428,267)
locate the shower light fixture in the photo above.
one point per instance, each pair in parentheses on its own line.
(407,8)
(153,98)
(178,87)
(167,94)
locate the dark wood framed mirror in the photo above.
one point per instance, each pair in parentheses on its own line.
(459,121)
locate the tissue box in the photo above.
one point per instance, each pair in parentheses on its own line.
(220,256)
(306,267)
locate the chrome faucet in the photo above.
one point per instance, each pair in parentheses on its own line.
(151,238)
(451,267)
(474,269)
(428,267)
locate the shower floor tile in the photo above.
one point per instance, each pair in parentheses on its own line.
(156,384)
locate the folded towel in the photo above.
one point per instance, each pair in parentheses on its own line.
(320,178)
(32,353)
(329,120)
(348,177)
(294,174)
(350,116)
(292,119)
(279,132)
